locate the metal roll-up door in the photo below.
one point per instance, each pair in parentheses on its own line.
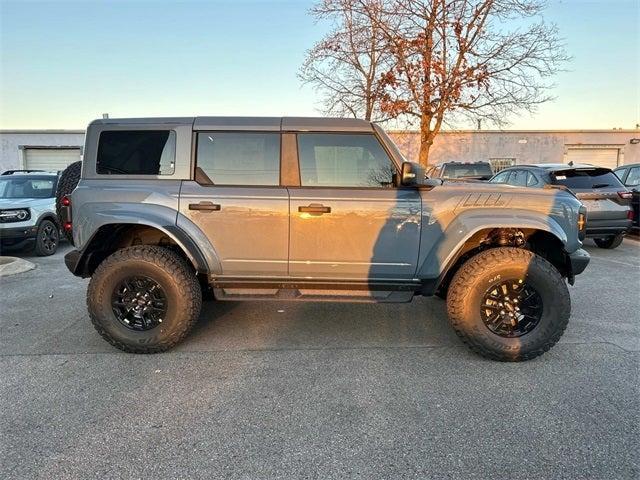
(51,159)
(601,157)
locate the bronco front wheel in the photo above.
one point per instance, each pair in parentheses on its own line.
(508,304)
(144,299)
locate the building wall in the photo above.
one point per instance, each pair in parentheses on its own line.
(13,143)
(470,145)
(524,146)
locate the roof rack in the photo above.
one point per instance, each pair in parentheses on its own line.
(11,172)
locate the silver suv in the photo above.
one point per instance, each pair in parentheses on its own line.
(308,209)
(28,212)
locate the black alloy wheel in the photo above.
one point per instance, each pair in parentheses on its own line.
(47,238)
(511,308)
(139,303)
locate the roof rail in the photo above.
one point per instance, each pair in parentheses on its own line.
(11,172)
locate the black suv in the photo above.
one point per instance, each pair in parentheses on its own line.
(607,200)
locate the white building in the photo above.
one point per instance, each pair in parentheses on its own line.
(55,149)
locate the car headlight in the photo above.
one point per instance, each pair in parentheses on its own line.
(15,215)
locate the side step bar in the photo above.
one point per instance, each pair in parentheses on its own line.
(314,291)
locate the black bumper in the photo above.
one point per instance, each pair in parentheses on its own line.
(607,227)
(579,261)
(17,237)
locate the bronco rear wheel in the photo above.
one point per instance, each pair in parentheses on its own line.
(508,304)
(144,299)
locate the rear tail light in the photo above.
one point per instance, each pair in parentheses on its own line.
(66,201)
(625,195)
(629,214)
(67,226)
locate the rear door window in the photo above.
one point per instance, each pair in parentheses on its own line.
(587,179)
(238,158)
(136,152)
(518,178)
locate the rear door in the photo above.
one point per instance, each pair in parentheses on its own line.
(348,221)
(238,203)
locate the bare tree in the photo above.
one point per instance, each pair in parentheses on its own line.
(348,63)
(438,61)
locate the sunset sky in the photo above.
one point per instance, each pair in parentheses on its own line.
(65,63)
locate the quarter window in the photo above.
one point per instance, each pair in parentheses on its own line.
(343,160)
(531,180)
(139,152)
(233,158)
(633,179)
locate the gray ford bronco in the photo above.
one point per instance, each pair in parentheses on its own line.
(316,209)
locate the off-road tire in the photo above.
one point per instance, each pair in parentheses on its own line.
(49,230)
(171,272)
(475,278)
(67,182)
(611,242)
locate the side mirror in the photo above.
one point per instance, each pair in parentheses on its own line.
(412,174)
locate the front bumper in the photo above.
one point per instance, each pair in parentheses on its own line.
(17,236)
(579,261)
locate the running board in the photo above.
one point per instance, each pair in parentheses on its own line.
(378,292)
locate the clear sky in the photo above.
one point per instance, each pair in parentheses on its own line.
(65,63)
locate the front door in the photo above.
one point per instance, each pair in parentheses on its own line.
(348,221)
(237,202)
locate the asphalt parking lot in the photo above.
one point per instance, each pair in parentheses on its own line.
(318,390)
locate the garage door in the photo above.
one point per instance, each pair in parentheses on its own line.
(602,157)
(52,159)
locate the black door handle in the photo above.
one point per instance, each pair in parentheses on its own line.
(315,209)
(208,206)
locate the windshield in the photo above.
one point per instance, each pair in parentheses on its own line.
(460,170)
(586,179)
(27,187)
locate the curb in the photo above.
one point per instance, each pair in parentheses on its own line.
(14,265)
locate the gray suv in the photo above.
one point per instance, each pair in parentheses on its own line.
(314,209)
(607,200)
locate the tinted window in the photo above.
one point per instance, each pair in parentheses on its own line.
(518,178)
(633,179)
(502,177)
(17,187)
(140,152)
(240,158)
(586,179)
(531,180)
(620,173)
(341,160)
(461,170)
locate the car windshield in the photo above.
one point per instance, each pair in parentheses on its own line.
(461,170)
(586,179)
(27,187)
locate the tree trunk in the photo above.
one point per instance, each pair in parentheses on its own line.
(425,145)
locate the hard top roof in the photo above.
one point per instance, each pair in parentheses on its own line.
(269,124)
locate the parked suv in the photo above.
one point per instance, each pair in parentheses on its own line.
(606,199)
(461,171)
(27,211)
(314,209)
